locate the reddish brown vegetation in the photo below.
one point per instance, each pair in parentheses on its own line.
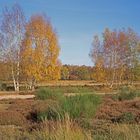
(113,110)
(12,118)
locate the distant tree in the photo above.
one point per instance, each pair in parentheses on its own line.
(97,57)
(40,51)
(83,73)
(5,72)
(64,73)
(75,72)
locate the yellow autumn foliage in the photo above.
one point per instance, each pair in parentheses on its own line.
(40,51)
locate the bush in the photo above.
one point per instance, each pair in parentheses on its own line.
(48,93)
(127,117)
(126,93)
(51,113)
(3,86)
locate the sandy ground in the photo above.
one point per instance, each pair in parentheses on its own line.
(16,97)
(98,93)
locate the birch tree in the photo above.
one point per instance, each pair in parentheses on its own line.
(119,54)
(97,57)
(40,51)
(12,33)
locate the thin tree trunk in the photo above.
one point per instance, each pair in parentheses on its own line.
(18,73)
(14,81)
(114,69)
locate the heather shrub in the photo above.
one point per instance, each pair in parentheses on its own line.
(126,93)
(120,132)
(12,118)
(127,117)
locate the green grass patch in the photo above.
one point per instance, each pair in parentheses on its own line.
(70,89)
(79,106)
(48,93)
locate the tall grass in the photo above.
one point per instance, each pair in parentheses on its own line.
(81,106)
(69,130)
(60,130)
(66,129)
(78,106)
(48,93)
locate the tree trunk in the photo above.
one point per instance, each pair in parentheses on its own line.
(15,81)
(31,84)
(18,71)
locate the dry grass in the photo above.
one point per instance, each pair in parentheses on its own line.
(60,130)
(15,113)
(120,132)
(69,130)
(63,130)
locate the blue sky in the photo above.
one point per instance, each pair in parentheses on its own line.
(77,21)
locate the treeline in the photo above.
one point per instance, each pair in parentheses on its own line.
(75,72)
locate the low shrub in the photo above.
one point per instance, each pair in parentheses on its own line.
(51,113)
(3,86)
(12,118)
(23,107)
(45,110)
(120,132)
(126,93)
(127,117)
(42,105)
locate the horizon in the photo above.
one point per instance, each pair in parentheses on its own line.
(76,22)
